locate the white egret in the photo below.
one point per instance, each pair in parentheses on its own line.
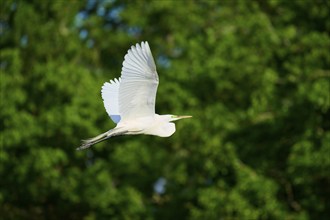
(130,100)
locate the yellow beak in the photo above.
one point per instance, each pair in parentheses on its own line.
(178,117)
(183,116)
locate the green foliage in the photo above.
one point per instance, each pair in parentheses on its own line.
(254,74)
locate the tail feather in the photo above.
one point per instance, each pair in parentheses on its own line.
(102,137)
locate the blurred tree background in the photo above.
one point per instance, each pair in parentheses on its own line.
(254,74)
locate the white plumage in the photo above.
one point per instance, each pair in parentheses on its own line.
(109,94)
(130,100)
(137,91)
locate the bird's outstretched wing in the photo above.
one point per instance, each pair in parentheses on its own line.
(139,82)
(109,94)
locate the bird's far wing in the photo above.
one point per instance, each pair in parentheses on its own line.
(139,82)
(109,94)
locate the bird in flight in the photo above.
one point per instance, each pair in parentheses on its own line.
(130,99)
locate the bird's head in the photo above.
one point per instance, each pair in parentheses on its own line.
(178,117)
(164,126)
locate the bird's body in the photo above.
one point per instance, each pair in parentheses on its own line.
(157,125)
(130,100)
